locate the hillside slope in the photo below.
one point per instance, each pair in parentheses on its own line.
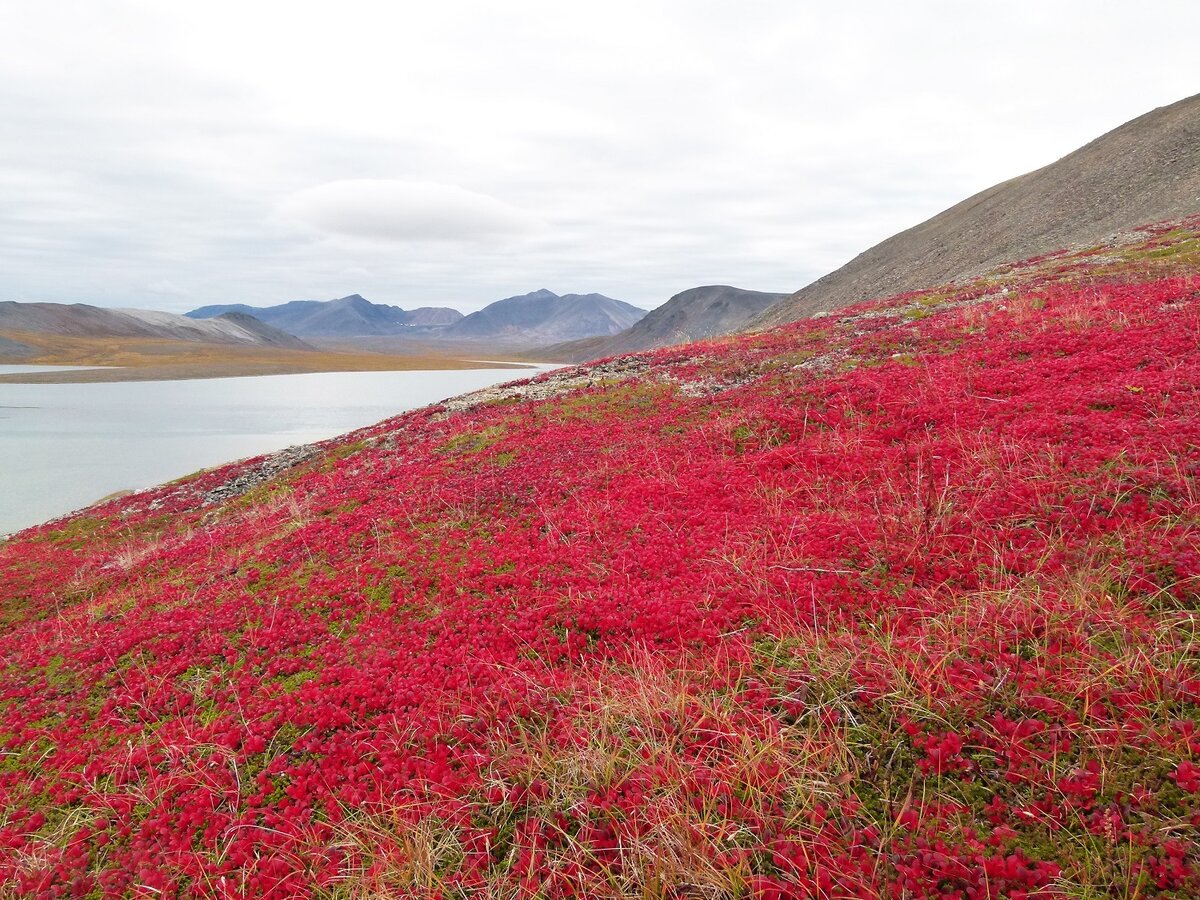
(10,349)
(691,315)
(899,602)
(351,316)
(1147,170)
(82,320)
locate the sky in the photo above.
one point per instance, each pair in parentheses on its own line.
(171,155)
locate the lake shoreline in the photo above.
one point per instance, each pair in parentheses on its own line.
(65,446)
(56,374)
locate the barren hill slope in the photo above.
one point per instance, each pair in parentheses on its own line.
(691,315)
(1147,170)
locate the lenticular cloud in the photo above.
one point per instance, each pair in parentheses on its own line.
(391,210)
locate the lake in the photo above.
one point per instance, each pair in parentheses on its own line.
(65,446)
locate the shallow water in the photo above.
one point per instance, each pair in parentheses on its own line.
(21,370)
(64,446)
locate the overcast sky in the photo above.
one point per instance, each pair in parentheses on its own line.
(169,155)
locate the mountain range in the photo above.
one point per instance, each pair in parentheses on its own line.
(82,320)
(537,318)
(1144,170)
(350,316)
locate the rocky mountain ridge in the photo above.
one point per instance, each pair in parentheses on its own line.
(539,317)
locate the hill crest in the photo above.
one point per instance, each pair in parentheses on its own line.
(1143,171)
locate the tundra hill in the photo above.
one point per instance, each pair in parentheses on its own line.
(352,316)
(900,601)
(82,320)
(1146,170)
(543,317)
(691,315)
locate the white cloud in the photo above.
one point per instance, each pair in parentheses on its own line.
(404,211)
(450,154)
(169,288)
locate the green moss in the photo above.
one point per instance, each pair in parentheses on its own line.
(58,678)
(76,534)
(289,684)
(472,442)
(618,399)
(1182,248)
(791,360)
(264,494)
(379,595)
(332,457)
(15,610)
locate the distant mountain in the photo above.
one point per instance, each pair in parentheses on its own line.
(1145,171)
(82,320)
(352,316)
(691,315)
(544,317)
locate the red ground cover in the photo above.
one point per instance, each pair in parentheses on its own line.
(900,601)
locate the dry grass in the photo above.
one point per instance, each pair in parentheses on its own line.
(639,722)
(635,723)
(158,359)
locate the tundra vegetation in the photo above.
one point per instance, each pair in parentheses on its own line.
(898,601)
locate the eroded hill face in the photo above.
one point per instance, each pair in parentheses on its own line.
(897,601)
(1147,170)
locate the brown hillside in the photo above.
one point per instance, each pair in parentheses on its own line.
(691,315)
(1147,170)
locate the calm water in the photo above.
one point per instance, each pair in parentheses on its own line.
(64,446)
